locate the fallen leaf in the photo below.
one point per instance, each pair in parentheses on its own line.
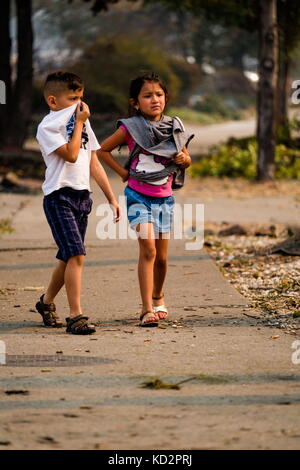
(48,439)
(32,288)
(111,329)
(157,384)
(101,446)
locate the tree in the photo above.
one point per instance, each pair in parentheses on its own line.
(268,65)
(107,87)
(248,14)
(15,114)
(5,68)
(289,36)
(223,45)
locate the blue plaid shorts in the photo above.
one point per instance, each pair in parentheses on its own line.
(67,211)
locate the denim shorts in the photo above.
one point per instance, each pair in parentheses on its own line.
(67,212)
(143,208)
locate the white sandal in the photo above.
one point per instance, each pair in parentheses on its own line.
(160,308)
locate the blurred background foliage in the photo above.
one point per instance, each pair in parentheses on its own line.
(201,61)
(238,158)
(206,51)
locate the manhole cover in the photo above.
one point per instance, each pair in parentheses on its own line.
(12,360)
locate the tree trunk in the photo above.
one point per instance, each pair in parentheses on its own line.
(22,93)
(268,65)
(5,70)
(282,118)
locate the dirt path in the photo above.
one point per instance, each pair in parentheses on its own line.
(205,136)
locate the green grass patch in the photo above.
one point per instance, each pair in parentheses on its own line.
(6,226)
(193,116)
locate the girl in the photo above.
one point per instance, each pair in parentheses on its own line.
(158,158)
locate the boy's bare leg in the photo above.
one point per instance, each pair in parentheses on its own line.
(147,255)
(72,279)
(56,283)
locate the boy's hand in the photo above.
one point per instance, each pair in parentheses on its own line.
(83,112)
(116,210)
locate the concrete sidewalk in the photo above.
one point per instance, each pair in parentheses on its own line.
(85,392)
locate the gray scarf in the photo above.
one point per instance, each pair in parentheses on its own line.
(164,138)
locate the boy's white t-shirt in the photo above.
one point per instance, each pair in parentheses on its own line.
(54,131)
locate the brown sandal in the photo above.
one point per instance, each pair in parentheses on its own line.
(79,326)
(149,323)
(48,312)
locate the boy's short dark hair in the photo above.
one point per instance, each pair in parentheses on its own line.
(59,82)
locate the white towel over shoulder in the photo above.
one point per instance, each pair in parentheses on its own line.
(54,131)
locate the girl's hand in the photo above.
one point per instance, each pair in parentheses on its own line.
(183,159)
(83,112)
(125,176)
(116,210)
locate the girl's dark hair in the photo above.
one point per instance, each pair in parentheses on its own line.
(137,84)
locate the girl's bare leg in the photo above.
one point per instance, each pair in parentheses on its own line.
(146,239)
(160,268)
(160,271)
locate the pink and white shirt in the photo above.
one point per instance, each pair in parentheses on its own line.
(146,162)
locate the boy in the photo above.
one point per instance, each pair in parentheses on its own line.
(68,146)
